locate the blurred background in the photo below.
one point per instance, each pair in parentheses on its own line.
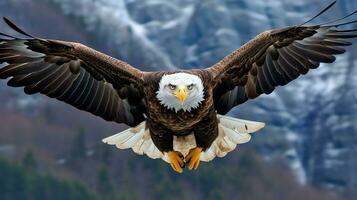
(49,150)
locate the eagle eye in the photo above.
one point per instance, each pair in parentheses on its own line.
(189,87)
(172,87)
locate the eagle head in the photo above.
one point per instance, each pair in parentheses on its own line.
(180,91)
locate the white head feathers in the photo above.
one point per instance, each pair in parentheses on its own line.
(180,91)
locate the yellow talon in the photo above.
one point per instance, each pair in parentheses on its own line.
(193,158)
(176,161)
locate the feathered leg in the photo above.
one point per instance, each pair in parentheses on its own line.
(163,140)
(206,131)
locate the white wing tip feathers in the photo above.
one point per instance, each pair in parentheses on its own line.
(240,125)
(137,138)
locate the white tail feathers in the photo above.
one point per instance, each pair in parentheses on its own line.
(232,131)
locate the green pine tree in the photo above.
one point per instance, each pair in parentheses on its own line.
(78,148)
(104,154)
(105,187)
(16,182)
(29,161)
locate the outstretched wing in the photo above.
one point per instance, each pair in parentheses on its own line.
(75,74)
(276,57)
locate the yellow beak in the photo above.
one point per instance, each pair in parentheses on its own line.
(181,94)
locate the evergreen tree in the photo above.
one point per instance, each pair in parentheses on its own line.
(105,187)
(78,148)
(127,189)
(16,182)
(104,154)
(29,161)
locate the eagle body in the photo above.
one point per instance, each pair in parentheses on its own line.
(177,121)
(164,123)
(178,116)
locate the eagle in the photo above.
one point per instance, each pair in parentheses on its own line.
(176,115)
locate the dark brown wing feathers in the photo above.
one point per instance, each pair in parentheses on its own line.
(113,90)
(75,74)
(276,57)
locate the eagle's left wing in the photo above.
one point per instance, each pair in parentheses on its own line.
(276,57)
(75,74)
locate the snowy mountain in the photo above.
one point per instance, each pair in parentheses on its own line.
(311,122)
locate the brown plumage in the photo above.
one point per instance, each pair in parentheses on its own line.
(116,91)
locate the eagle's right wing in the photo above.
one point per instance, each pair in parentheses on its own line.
(275,58)
(73,73)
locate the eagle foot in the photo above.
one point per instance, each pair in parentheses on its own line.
(176,161)
(193,158)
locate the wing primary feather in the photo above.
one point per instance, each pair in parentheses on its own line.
(87,90)
(320,13)
(320,48)
(313,55)
(9,36)
(105,101)
(13,26)
(344,31)
(77,83)
(86,97)
(268,75)
(295,61)
(330,42)
(82,86)
(69,85)
(94,93)
(65,85)
(31,78)
(341,24)
(279,79)
(336,20)
(250,87)
(264,81)
(16,59)
(283,69)
(52,86)
(258,87)
(112,100)
(45,84)
(307,62)
(288,69)
(241,94)
(14,69)
(314,64)
(100,96)
(301,59)
(42,82)
(340,35)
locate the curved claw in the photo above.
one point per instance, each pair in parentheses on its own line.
(193,158)
(176,161)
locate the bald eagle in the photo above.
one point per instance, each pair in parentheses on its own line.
(174,115)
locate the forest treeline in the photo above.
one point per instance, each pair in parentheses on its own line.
(23,182)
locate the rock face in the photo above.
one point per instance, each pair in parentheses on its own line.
(311,122)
